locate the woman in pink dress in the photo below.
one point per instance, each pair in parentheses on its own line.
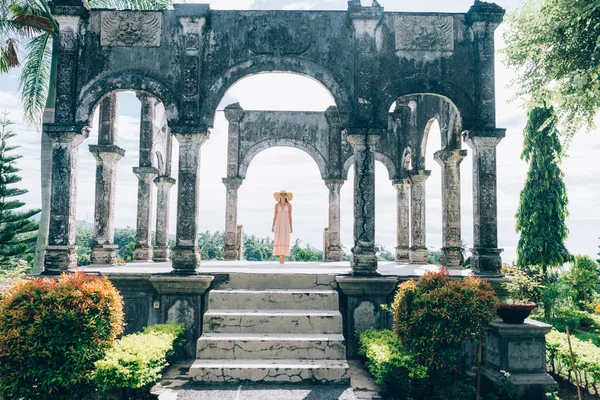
(282,224)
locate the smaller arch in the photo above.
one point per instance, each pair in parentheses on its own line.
(131,80)
(270,143)
(384,159)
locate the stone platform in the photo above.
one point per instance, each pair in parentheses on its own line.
(408,270)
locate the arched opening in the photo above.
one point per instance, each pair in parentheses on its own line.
(270,165)
(121,131)
(385,212)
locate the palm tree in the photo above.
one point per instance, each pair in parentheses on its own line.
(32,21)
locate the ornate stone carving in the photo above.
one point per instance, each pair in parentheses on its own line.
(190,77)
(279,38)
(192,42)
(131,28)
(68,39)
(424,33)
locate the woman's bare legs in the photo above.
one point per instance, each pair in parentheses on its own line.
(281,259)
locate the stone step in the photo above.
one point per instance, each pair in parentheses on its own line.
(272,321)
(283,299)
(260,346)
(258,281)
(266,371)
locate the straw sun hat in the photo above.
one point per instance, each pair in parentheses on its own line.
(290,196)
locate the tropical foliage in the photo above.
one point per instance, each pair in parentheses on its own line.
(17,230)
(553,47)
(52,332)
(435,314)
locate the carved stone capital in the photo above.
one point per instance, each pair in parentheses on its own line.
(232,183)
(234,112)
(359,141)
(165,182)
(106,154)
(147,174)
(419,176)
(449,157)
(401,183)
(483,137)
(191,138)
(332,115)
(334,184)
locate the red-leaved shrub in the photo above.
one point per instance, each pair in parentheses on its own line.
(435,314)
(52,332)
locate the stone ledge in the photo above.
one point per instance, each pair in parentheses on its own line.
(366,286)
(196,284)
(530,327)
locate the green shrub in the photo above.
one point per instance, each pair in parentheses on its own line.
(52,332)
(586,355)
(435,314)
(137,360)
(388,361)
(584,280)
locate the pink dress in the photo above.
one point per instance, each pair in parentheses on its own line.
(282,232)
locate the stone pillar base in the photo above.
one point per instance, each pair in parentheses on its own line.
(364,262)
(334,253)
(363,297)
(142,254)
(230,253)
(520,350)
(452,257)
(402,254)
(186,260)
(486,261)
(59,259)
(161,253)
(418,255)
(104,254)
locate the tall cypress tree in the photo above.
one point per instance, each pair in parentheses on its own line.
(543,203)
(18,233)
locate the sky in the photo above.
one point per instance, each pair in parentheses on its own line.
(293,170)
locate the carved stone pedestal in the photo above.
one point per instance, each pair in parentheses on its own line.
(362,298)
(182,302)
(520,350)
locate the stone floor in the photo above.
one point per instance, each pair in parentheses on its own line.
(175,385)
(332,268)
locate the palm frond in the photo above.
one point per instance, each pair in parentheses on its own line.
(32,18)
(35,78)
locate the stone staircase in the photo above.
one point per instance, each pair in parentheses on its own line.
(289,333)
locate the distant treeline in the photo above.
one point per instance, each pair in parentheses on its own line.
(211,246)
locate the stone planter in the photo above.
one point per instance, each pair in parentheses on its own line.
(515,313)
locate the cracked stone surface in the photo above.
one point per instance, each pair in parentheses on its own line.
(309,299)
(272,321)
(271,347)
(280,371)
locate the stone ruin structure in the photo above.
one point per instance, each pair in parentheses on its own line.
(420,66)
(391,75)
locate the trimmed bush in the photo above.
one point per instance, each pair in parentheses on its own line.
(435,314)
(388,361)
(586,355)
(52,332)
(137,360)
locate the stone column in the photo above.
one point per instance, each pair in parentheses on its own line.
(364,260)
(418,249)
(450,161)
(403,220)
(60,252)
(230,251)
(234,114)
(186,256)
(485,257)
(143,243)
(107,155)
(334,249)
(104,250)
(163,201)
